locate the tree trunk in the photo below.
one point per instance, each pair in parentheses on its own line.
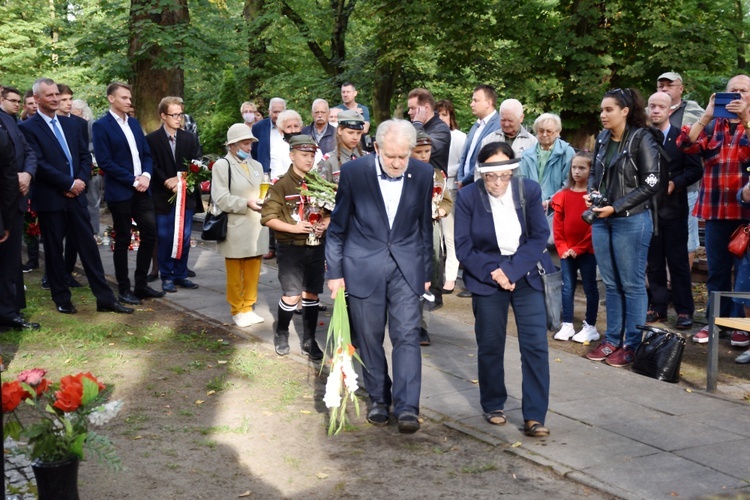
(151,83)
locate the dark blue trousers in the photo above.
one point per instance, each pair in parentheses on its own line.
(393,300)
(491,321)
(169,268)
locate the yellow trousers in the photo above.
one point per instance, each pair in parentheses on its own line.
(242,283)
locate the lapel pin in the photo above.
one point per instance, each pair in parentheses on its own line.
(408,175)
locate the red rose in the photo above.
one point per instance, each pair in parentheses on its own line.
(70,395)
(13,394)
(195,168)
(211,165)
(89,376)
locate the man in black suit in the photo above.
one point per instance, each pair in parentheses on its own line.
(123,154)
(172,150)
(63,168)
(379,248)
(669,243)
(12,294)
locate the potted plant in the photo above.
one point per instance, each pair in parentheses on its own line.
(54,423)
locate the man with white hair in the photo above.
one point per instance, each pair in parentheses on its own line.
(384,211)
(511,129)
(323,133)
(269,137)
(548,163)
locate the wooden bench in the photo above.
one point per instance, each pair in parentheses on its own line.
(712,366)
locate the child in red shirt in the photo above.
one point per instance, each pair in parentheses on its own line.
(573,242)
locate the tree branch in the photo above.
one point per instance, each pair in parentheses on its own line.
(304,30)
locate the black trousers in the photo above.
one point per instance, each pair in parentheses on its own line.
(12,296)
(669,248)
(139,208)
(72,223)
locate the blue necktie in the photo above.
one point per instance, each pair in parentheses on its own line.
(63,144)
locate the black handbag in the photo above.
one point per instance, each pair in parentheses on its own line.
(215,224)
(551,274)
(552,280)
(660,354)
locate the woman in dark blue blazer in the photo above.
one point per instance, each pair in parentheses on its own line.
(499,250)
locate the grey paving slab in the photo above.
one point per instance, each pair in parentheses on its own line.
(727,457)
(674,432)
(673,399)
(663,475)
(602,411)
(458,404)
(733,419)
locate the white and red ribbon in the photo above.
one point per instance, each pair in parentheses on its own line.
(179,216)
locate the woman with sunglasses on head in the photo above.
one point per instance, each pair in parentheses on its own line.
(623,180)
(499,248)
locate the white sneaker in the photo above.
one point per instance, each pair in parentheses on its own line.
(241,320)
(566,331)
(588,333)
(253,318)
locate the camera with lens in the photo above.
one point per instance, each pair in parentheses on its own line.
(597,200)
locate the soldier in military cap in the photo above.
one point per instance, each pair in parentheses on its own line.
(300,247)
(348,135)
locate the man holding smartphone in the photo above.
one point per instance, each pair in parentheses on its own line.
(724,145)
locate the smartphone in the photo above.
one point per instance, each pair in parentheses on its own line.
(720,102)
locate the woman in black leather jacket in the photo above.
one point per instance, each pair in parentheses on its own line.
(626,173)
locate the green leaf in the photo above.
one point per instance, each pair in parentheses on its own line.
(90,391)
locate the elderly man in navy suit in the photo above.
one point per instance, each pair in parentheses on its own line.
(379,248)
(123,154)
(59,198)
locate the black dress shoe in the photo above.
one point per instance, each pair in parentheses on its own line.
(114,307)
(71,282)
(424,337)
(464,294)
(152,277)
(653,317)
(191,273)
(446,291)
(129,298)
(148,293)
(45,283)
(186,283)
(378,415)
(67,309)
(408,423)
(684,321)
(18,323)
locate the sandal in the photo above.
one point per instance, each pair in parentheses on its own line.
(534,429)
(496,417)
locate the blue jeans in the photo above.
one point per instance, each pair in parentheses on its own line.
(720,263)
(621,248)
(586,263)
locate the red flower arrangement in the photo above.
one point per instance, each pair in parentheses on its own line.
(63,411)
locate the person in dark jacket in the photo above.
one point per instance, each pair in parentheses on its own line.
(499,249)
(669,243)
(626,174)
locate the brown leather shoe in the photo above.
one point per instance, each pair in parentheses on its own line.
(269,255)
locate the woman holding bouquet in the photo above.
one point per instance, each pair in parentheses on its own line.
(235,189)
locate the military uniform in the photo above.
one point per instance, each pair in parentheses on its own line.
(330,166)
(301,265)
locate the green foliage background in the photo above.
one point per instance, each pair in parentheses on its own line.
(557,56)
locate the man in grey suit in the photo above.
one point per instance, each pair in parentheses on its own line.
(483,104)
(379,247)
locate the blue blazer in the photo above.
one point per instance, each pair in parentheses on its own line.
(53,177)
(113,156)
(476,243)
(359,241)
(262,149)
(466,169)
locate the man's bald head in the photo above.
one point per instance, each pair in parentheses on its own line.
(658,108)
(740,84)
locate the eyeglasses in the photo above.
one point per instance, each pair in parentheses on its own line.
(175,115)
(14,101)
(492,177)
(541,131)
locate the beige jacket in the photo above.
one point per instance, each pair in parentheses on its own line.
(245,235)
